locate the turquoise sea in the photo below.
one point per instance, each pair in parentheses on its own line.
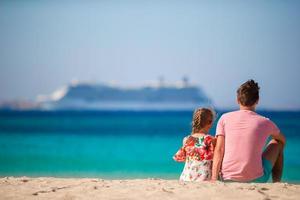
(112,144)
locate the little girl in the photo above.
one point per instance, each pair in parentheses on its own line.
(197,150)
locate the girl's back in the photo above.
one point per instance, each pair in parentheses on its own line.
(197,150)
(197,153)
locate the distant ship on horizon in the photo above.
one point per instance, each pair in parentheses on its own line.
(91,96)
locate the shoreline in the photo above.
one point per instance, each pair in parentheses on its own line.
(150,188)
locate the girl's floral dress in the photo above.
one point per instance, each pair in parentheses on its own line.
(197,153)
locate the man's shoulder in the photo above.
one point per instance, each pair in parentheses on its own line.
(229,114)
(239,112)
(263,119)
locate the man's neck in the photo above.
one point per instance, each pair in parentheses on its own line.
(252,108)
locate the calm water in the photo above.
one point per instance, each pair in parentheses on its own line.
(111,144)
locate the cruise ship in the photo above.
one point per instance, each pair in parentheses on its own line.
(88,96)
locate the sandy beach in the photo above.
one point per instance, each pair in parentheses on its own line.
(87,188)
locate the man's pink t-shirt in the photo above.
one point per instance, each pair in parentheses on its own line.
(246,134)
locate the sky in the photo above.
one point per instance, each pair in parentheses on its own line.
(44,45)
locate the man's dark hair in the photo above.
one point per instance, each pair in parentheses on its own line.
(248,93)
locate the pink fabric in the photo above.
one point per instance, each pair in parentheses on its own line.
(246,133)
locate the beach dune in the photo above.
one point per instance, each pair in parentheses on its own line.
(87,188)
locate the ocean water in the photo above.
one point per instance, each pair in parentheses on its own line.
(112,145)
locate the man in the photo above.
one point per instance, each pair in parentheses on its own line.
(241,136)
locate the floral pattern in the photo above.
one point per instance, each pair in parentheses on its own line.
(197,153)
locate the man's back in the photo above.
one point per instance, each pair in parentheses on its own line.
(245,133)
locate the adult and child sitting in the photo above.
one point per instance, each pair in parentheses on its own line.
(238,152)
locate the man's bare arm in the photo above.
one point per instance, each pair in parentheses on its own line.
(218,157)
(279,137)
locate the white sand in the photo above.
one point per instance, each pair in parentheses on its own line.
(71,188)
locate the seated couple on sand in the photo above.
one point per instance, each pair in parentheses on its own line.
(239,152)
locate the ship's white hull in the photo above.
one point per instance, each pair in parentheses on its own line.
(105,105)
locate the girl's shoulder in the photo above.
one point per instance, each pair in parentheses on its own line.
(209,136)
(190,139)
(185,139)
(208,139)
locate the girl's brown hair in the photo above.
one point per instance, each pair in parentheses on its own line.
(201,118)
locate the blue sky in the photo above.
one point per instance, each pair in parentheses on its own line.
(217,44)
